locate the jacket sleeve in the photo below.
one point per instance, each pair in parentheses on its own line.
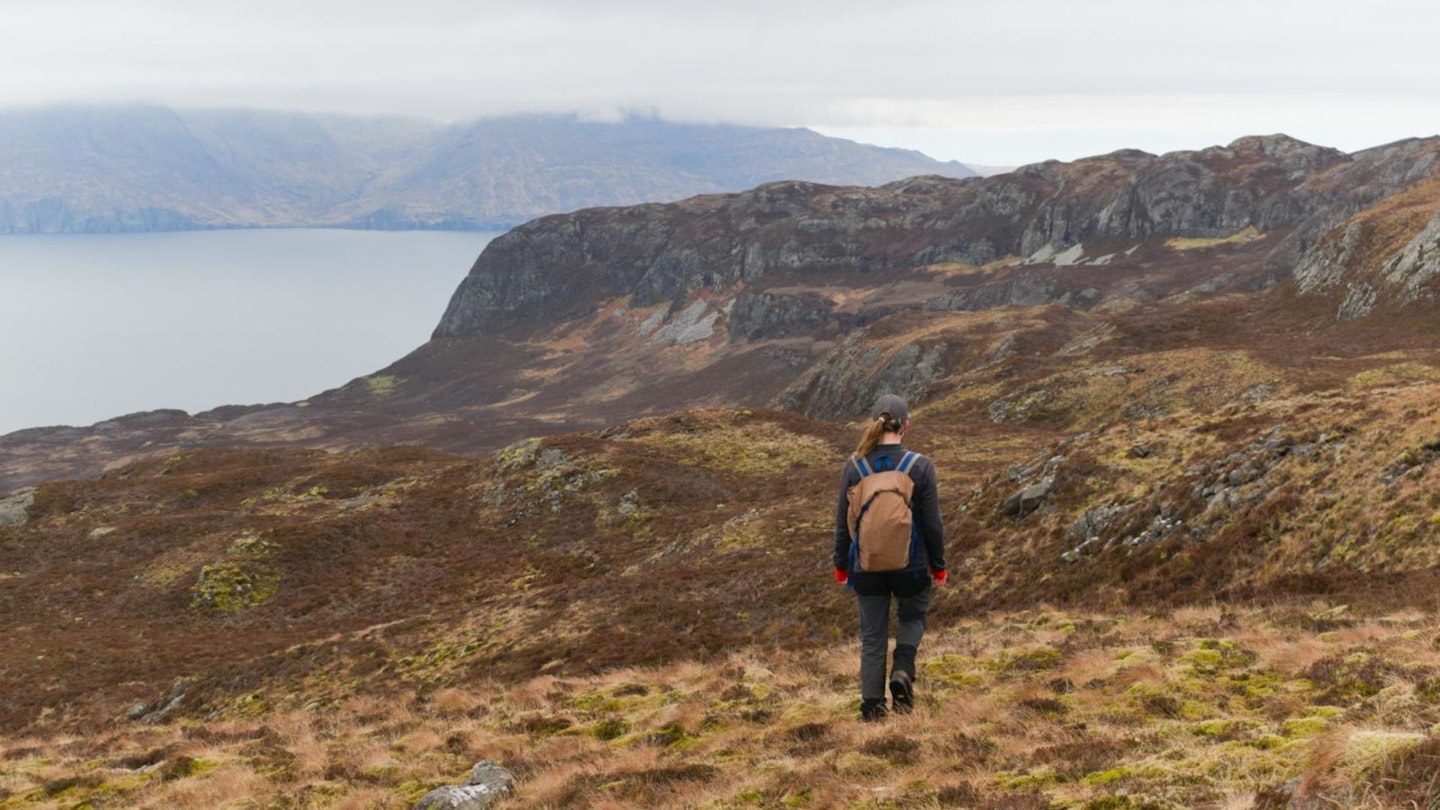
(848,478)
(927,510)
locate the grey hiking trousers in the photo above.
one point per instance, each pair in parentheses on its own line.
(875,637)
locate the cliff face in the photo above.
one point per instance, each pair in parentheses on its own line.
(1083,213)
(1386,254)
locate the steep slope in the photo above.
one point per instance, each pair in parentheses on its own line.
(1388,254)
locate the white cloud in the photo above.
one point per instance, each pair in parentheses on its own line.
(1012,79)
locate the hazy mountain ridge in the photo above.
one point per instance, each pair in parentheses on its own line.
(80,169)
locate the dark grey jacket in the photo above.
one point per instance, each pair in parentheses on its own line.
(925,504)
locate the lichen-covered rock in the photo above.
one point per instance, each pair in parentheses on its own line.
(1418,263)
(845,382)
(232,586)
(488,783)
(1028,499)
(15,507)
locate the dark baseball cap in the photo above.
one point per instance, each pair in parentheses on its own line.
(898,409)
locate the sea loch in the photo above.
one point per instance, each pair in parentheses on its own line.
(93,327)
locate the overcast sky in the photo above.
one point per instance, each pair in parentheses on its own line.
(991,82)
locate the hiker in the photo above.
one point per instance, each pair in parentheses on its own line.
(889,544)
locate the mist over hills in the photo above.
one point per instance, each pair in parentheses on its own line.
(143,168)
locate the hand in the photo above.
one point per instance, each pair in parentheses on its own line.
(842,576)
(939,575)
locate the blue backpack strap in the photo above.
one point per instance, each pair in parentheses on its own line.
(861,465)
(909,461)
(906,464)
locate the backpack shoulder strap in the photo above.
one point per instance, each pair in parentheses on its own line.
(860,465)
(909,461)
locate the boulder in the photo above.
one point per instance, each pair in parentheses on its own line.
(488,783)
(15,507)
(1028,499)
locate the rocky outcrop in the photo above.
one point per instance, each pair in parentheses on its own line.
(15,507)
(1418,263)
(1388,252)
(777,314)
(804,235)
(851,376)
(1028,499)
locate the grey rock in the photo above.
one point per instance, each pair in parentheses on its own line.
(848,378)
(167,704)
(488,783)
(15,507)
(1418,262)
(694,324)
(1089,526)
(1360,299)
(452,797)
(1028,499)
(778,314)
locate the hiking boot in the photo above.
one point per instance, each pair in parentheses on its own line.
(902,691)
(872,711)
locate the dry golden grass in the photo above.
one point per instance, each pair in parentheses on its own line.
(1039,708)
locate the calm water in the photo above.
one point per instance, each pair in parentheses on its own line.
(98,326)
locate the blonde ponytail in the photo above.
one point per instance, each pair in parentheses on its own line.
(879,426)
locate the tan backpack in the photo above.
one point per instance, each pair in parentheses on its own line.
(880,520)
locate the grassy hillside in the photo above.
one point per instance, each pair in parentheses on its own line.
(1226,599)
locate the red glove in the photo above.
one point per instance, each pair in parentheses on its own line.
(842,576)
(939,574)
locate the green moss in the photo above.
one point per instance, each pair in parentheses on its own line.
(1033,778)
(611,729)
(1267,742)
(1215,728)
(163,574)
(952,670)
(185,768)
(1298,728)
(380,384)
(1204,662)
(799,798)
(519,454)
(1025,659)
(746,449)
(234,586)
(251,544)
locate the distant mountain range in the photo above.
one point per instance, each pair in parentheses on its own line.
(144,168)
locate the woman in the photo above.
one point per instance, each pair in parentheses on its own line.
(889,493)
